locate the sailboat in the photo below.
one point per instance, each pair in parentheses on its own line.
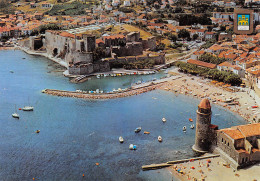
(184,128)
(159,138)
(15,115)
(163,120)
(27,108)
(121,139)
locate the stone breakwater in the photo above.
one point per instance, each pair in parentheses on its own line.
(82,95)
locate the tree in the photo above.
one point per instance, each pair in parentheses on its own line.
(160,46)
(183,33)
(172,37)
(195,36)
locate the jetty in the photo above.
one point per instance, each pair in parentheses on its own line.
(110,95)
(170,163)
(134,90)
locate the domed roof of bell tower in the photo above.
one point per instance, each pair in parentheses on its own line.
(204,104)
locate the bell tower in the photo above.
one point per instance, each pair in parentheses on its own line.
(203,122)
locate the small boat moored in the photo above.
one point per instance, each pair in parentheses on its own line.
(132,147)
(27,108)
(184,128)
(37,131)
(121,139)
(137,130)
(163,120)
(192,126)
(159,138)
(190,120)
(15,115)
(146,132)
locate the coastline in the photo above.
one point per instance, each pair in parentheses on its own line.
(213,169)
(198,88)
(188,85)
(44,54)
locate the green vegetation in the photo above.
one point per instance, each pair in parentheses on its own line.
(175,45)
(126,10)
(183,33)
(6,7)
(160,46)
(208,44)
(43,28)
(222,76)
(211,59)
(142,64)
(190,19)
(74,8)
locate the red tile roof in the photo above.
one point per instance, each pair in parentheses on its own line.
(201,63)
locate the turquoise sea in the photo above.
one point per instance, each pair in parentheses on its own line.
(75,134)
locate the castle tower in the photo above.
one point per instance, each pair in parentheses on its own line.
(202,139)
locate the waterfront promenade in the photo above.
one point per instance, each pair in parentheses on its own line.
(134,90)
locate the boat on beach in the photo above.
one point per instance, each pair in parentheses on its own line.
(27,108)
(138,129)
(121,139)
(159,138)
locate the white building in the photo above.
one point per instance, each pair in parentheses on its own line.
(226,66)
(127,3)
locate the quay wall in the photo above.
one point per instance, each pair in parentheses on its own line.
(82,95)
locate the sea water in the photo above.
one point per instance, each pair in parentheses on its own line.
(76,134)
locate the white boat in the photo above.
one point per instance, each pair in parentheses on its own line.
(184,128)
(15,115)
(159,138)
(98,76)
(192,126)
(132,147)
(163,120)
(27,108)
(138,129)
(121,139)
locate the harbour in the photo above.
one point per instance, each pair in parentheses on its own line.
(75,134)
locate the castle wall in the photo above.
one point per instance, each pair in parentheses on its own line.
(255,156)
(226,144)
(90,43)
(77,57)
(54,42)
(89,68)
(150,43)
(133,37)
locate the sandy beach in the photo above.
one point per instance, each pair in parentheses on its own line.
(213,169)
(202,88)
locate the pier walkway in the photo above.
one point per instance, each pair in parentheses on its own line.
(170,163)
(135,90)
